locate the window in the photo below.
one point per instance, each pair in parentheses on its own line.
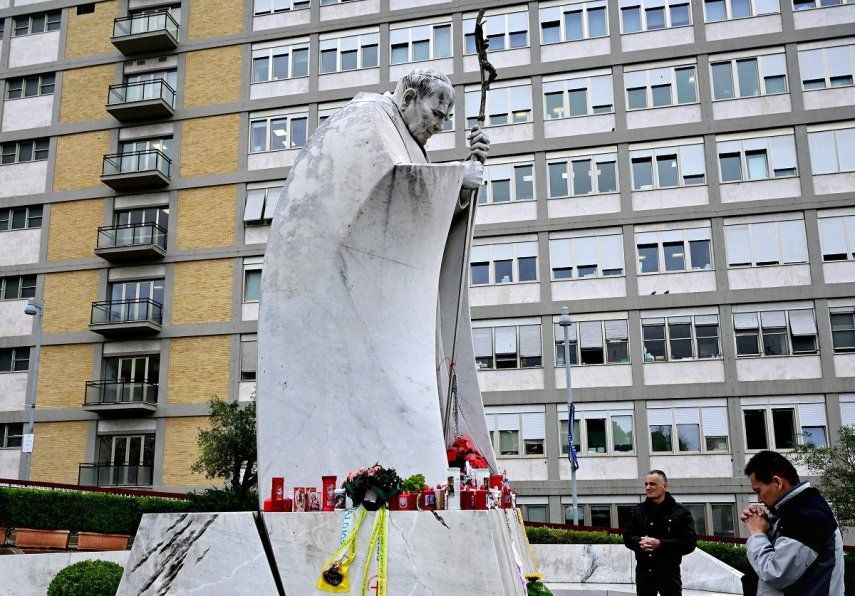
(148,85)
(505,183)
(503,263)
(572,22)
(505,105)
(349,53)
(725,10)
(660,87)
(248,357)
(807,4)
(749,77)
(11,435)
(260,205)
(593,342)
(503,32)
(515,434)
(124,460)
(578,96)
(24,151)
(775,332)
(825,68)
(416,44)
(586,256)
(507,346)
(605,431)
(31,86)
(21,218)
(263,7)
(14,359)
(667,167)
(673,250)
(147,146)
(836,237)
(757,159)
(16,287)
(765,243)
(687,337)
(832,151)
(535,513)
(582,175)
(843,328)
(40,22)
(281,62)
(781,426)
(276,133)
(688,429)
(650,15)
(251,283)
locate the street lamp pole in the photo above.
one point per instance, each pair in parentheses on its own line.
(564,321)
(34,308)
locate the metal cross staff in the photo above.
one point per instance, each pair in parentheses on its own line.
(488,75)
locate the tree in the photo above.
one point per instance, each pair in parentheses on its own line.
(228,451)
(835,466)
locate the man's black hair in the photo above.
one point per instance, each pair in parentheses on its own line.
(766,464)
(659,473)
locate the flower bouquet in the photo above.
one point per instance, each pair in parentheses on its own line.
(463,450)
(372,487)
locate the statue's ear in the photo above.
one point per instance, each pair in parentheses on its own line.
(409,96)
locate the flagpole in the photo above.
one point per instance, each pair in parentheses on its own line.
(564,321)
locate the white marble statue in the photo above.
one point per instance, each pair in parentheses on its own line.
(359,294)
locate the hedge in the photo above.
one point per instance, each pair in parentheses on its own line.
(87,578)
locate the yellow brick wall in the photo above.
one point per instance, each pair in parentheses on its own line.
(84,93)
(214,18)
(180,450)
(63,372)
(78,160)
(206,217)
(89,34)
(58,448)
(209,145)
(202,292)
(74,229)
(199,369)
(213,76)
(68,299)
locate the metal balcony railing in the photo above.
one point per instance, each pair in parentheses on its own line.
(135,162)
(142,234)
(145,23)
(109,312)
(114,475)
(141,91)
(120,392)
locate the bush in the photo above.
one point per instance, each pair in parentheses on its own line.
(87,578)
(223,499)
(730,554)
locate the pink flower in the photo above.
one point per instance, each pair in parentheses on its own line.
(360,470)
(372,471)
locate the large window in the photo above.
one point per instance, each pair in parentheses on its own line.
(749,77)
(280,62)
(16,287)
(608,430)
(24,151)
(349,53)
(40,22)
(572,22)
(263,7)
(419,43)
(505,105)
(651,15)
(725,10)
(782,426)
(507,183)
(825,68)
(843,328)
(765,243)
(579,95)
(837,237)
(515,434)
(31,86)
(775,332)
(667,167)
(586,256)
(678,430)
(248,357)
(251,282)
(503,31)
(594,342)
(660,87)
(20,218)
(14,359)
(503,263)
(712,519)
(832,151)
(757,158)
(11,435)
(582,175)
(685,337)
(673,250)
(276,133)
(507,346)
(260,205)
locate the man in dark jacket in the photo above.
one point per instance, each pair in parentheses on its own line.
(660,532)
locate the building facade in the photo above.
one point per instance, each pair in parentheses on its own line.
(680,174)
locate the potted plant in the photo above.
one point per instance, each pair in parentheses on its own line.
(372,487)
(96,541)
(29,538)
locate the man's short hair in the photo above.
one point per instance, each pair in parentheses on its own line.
(424,81)
(659,473)
(766,464)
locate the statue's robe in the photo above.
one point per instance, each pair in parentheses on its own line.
(358,299)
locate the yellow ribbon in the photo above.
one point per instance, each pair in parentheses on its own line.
(378,540)
(339,562)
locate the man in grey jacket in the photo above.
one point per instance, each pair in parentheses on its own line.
(796,548)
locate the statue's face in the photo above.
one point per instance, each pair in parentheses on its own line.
(425,116)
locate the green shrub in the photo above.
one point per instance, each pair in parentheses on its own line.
(223,499)
(87,578)
(730,554)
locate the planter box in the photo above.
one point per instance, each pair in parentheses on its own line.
(2,536)
(25,537)
(95,541)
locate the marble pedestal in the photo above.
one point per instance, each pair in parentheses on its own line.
(450,552)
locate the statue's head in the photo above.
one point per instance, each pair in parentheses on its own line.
(425,97)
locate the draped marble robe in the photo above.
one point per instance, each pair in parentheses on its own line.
(358,298)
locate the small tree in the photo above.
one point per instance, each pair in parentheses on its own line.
(835,466)
(228,451)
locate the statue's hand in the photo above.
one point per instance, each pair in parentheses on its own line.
(473,174)
(479,144)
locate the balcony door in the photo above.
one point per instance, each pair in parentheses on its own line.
(135,158)
(126,460)
(130,378)
(130,299)
(132,228)
(147,85)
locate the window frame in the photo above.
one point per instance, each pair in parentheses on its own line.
(486,190)
(39,151)
(703,449)
(363,41)
(52,22)
(667,338)
(575,266)
(518,356)
(270,54)
(42,81)
(666,6)
(771,439)
(506,35)
(472,100)
(32,213)
(686,241)
(289,117)
(649,101)
(734,77)
(728,11)
(267,202)
(839,150)
(569,174)
(640,155)
(516,249)
(16,356)
(582,436)
(759,332)
(742,152)
(25,284)
(6,435)
(751,230)
(827,78)
(250,269)
(584,8)
(293,5)
(494,433)
(432,46)
(850,328)
(567,87)
(576,345)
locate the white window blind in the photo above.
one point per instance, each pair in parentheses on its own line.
(591,334)
(847,413)
(506,340)
(812,414)
(783,152)
(529,340)
(745,321)
(659,417)
(482,340)
(802,322)
(692,160)
(738,244)
(773,318)
(254,205)
(687,415)
(793,241)
(832,235)
(773,65)
(611,252)
(706,319)
(533,426)
(715,422)
(248,356)
(508,421)
(616,330)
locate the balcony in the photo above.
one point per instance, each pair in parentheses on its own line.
(120,398)
(143,33)
(136,170)
(131,242)
(126,318)
(143,100)
(110,475)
